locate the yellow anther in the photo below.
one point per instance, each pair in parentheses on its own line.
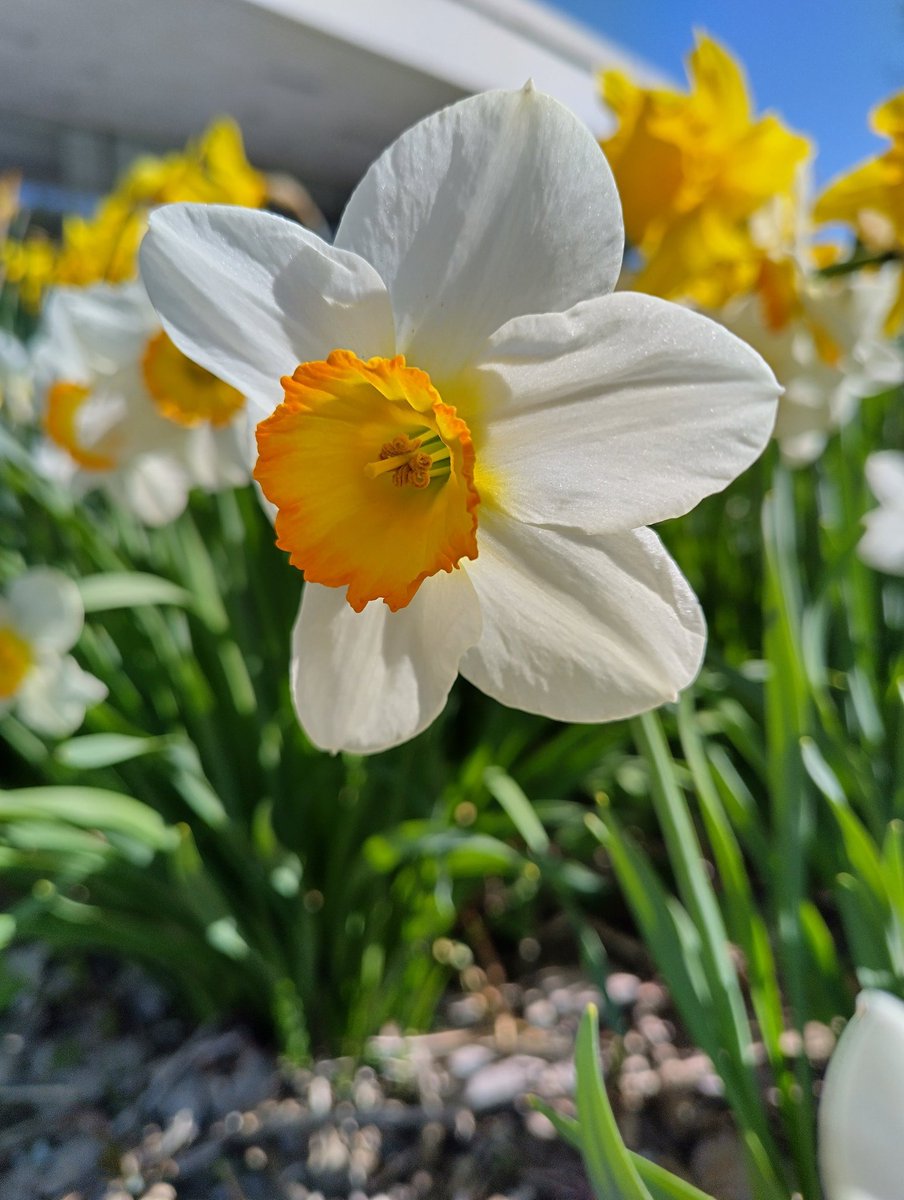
(415,471)
(399,445)
(408,466)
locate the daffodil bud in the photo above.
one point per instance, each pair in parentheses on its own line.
(861,1134)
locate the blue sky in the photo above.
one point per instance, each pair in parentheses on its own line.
(822,66)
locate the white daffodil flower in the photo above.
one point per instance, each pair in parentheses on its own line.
(882,546)
(828,351)
(861,1148)
(126,411)
(16,380)
(465,461)
(41,617)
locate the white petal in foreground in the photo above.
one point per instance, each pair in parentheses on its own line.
(580,629)
(622,412)
(501,205)
(861,1147)
(55,695)
(46,609)
(250,295)
(366,681)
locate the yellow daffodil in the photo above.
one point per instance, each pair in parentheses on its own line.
(693,168)
(104,247)
(30,266)
(860,1147)
(212,170)
(125,411)
(463,430)
(871,196)
(41,617)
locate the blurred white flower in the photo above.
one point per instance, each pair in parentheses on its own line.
(882,546)
(124,410)
(825,342)
(16,379)
(861,1148)
(41,617)
(491,486)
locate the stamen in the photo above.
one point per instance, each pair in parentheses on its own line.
(415,472)
(400,445)
(411,460)
(382,465)
(345,422)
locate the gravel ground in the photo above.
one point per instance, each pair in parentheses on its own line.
(106,1095)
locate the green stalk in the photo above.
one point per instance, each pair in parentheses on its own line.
(788,717)
(727,1004)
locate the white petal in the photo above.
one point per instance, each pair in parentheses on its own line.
(581,629)
(801,449)
(367,681)
(852,309)
(882,546)
(53,463)
(805,413)
(249,295)
(55,695)
(501,205)
(46,607)
(17,383)
(885,476)
(111,324)
(152,486)
(219,458)
(861,1149)
(624,411)
(57,350)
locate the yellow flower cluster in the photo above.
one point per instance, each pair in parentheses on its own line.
(871,197)
(714,208)
(104,247)
(693,170)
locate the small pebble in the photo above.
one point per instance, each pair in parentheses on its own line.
(622,988)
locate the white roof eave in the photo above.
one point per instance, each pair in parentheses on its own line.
(319,87)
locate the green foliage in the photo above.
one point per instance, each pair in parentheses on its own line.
(615,1172)
(754,834)
(191,825)
(781,819)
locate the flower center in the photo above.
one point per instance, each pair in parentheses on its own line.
(63,425)
(184,392)
(372,476)
(15,661)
